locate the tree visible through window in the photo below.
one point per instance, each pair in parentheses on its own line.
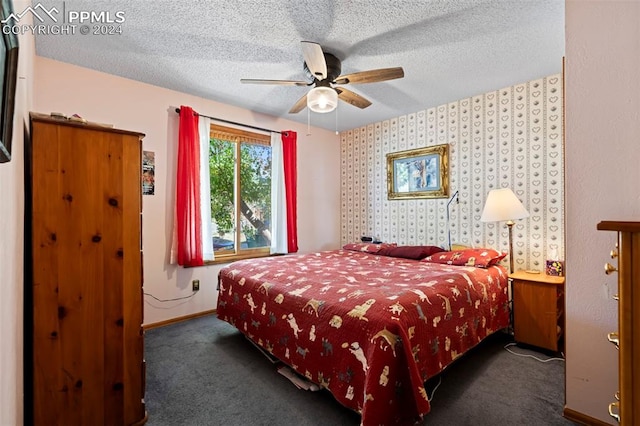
(240,169)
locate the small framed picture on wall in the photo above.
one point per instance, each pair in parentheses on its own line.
(148,172)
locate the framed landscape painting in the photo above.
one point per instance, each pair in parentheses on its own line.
(418,173)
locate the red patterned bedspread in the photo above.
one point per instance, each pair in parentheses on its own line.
(371,329)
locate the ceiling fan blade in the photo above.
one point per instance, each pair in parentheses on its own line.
(299,106)
(352,98)
(280,82)
(314,58)
(371,76)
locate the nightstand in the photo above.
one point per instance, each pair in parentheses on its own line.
(538,309)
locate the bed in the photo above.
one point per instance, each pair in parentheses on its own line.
(370,328)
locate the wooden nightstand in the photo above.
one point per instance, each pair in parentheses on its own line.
(538,309)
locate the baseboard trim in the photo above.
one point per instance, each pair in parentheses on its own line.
(583,419)
(178,319)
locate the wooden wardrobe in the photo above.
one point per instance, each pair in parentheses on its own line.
(83,275)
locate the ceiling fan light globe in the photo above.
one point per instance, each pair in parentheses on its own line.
(322,99)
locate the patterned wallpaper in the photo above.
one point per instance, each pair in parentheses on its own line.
(508,138)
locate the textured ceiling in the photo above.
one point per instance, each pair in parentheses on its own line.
(449,49)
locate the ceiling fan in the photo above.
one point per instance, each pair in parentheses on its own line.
(323,70)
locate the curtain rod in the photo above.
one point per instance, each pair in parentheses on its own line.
(237,124)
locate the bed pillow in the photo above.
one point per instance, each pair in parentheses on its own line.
(410,252)
(479,257)
(367,247)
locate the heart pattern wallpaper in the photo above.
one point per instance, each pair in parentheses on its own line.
(512,137)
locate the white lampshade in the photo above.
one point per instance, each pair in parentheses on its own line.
(322,99)
(502,204)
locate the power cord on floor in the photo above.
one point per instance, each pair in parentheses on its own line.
(506,347)
(429,398)
(171,300)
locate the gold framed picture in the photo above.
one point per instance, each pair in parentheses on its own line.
(418,173)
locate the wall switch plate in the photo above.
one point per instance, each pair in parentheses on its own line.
(195,285)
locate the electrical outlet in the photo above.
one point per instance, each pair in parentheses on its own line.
(195,285)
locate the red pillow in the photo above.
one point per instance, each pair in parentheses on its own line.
(367,247)
(480,257)
(410,252)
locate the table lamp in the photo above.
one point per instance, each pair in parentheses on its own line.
(503,205)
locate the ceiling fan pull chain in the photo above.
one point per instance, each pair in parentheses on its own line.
(308,122)
(337,120)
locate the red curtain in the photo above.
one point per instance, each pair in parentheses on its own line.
(289,154)
(189,233)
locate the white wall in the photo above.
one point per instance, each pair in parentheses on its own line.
(11,241)
(149,109)
(602,183)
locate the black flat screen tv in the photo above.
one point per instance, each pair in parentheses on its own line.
(8,77)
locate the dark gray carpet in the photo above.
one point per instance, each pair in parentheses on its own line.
(204,372)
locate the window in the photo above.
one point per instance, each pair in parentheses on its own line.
(240,176)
